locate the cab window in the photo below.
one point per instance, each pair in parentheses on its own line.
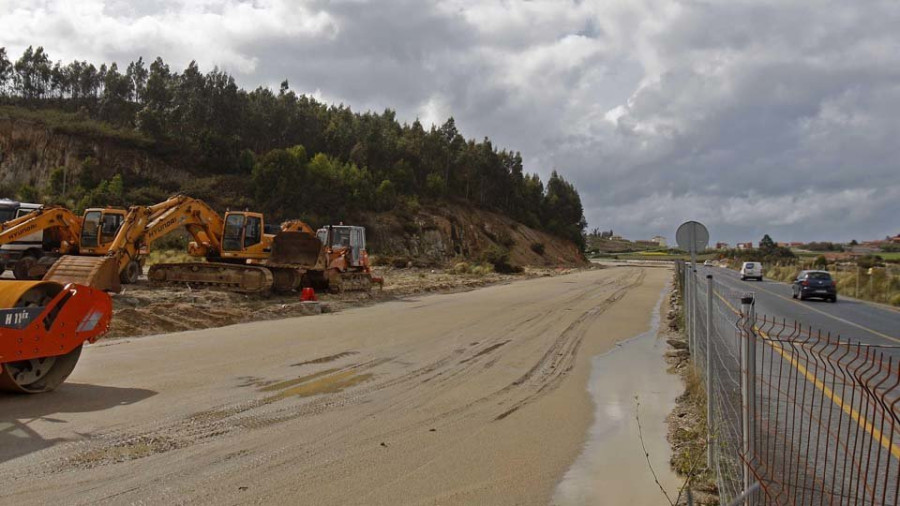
(234,232)
(340,237)
(253,232)
(110,227)
(90,229)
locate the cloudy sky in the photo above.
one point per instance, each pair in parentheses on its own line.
(778,116)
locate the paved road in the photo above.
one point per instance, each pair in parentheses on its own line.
(816,428)
(850,318)
(467,398)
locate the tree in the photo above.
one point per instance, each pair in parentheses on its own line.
(766,244)
(385,196)
(56,184)
(137,73)
(5,71)
(32,73)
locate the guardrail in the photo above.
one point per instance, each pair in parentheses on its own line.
(810,417)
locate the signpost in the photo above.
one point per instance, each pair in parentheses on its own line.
(692,237)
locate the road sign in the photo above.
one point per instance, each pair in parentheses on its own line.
(692,236)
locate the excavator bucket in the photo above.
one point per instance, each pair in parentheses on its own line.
(101,273)
(298,249)
(43,326)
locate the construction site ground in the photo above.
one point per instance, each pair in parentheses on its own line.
(143,309)
(470,397)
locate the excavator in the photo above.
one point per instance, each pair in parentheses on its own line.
(64,233)
(141,226)
(244,262)
(43,326)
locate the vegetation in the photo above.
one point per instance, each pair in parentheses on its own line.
(823,246)
(303,156)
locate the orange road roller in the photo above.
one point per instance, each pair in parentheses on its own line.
(43,326)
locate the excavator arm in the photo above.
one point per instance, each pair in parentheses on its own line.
(142,226)
(67,222)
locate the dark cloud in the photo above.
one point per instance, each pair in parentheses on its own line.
(754,116)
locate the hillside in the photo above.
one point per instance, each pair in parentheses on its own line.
(278,151)
(61,158)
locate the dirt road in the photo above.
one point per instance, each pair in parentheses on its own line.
(466,398)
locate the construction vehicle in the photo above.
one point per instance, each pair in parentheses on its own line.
(292,257)
(26,246)
(43,326)
(346,259)
(141,226)
(60,232)
(243,263)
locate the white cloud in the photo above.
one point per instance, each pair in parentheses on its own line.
(772,115)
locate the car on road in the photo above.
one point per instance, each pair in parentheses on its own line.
(814,284)
(708,263)
(751,270)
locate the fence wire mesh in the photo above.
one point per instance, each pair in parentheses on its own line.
(811,417)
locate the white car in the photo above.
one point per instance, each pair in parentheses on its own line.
(708,263)
(751,270)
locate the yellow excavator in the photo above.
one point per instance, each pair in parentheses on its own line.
(64,233)
(243,263)
(122,262)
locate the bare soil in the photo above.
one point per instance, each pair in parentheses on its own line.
(142,310)
(457,398)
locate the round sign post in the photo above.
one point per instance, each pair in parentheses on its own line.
(692,236)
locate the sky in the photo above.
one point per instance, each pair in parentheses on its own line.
(752,117)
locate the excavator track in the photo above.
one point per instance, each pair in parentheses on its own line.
(250,279)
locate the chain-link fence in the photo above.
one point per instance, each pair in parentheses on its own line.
(794,413)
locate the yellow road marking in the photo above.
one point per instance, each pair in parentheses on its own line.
(860,420)
(848,322)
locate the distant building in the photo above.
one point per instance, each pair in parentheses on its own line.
(745,245)
(616,238)
(896,240)
(659,240)
(721,245)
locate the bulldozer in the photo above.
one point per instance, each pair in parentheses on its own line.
(346,259)
(43,326)
(63,233)
(282,261)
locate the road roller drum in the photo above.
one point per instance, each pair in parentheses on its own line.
(43,326)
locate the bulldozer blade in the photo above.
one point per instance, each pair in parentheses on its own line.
(101,273)
(298,249)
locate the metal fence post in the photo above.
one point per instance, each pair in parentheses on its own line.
(693,315)
(709,378)
(748,379)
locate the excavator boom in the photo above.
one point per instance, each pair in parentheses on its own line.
(141,227)
(68,223)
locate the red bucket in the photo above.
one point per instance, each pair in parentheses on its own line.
(308,295)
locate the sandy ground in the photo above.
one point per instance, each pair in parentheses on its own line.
(467,398)
(142,310)
(626,457)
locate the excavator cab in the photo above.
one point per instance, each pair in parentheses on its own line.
(99,228)
(244,236)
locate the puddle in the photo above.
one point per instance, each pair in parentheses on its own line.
(324,382)
(612,468)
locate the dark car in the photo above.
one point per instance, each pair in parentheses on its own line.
(815,284)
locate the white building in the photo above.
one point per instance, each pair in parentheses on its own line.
(660,240)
